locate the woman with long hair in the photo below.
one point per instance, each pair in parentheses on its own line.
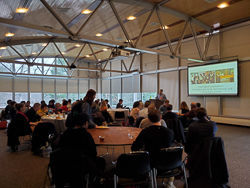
(135,110)
(184,107)
(104,111)
(86,105)
(19,126)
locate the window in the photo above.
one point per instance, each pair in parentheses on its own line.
(98,96)
(105,96)
(148,95)
(48,97)
(21,97)
(36,69)
(4,96)
(6,67)
(47,69)
(35,97)
(60,97)
(115,99)
(73,97)
(82,95)
(61,71)
(137,96)
(127,99)
(21,68)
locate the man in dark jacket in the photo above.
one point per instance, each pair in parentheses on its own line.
(169,114)
(154,137)
(199,130)
(31,113)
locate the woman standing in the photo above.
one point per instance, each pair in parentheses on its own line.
(19,126)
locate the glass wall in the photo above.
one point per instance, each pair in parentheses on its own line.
(73,97)
(21,97)
(148,95)
(35,97)
(128,99)
(48,97)
(60,97)
(4,96)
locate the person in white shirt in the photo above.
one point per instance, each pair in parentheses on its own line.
(144,111)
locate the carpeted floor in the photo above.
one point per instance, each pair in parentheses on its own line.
(25,170)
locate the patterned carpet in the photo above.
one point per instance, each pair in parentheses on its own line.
(25,170)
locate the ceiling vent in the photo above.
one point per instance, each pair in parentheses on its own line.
(63,9)
(210,1)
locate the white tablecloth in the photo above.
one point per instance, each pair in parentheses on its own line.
(59,123)
(112,113)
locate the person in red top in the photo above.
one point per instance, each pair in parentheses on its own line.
(64,106)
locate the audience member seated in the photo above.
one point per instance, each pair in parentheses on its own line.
(12,109)
(198,105)
(163,108)
(184,107)
(7,109)
(145,123)
(169,114)
(120,105)
(140,105)
(199,130)
(107,103)
(79,138)
(69,103)
(135,110)
(51,105)
(104,111)
(191,113)
(31,113)
(43,110)
(19,126)
(154,137)
(57,109)
(64,106)
(144,112)
(27,106)
(96,106)
(42,102)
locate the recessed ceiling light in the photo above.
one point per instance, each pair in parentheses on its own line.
(86,11)
(44,44)
(77,45)
(99,59)
(98,35)
(9,34)
(105,49)
(3,48)
(165,27)
(129,41)
(223,5)
(131,18)
(33,53)
(63,53)
(22,10)
(87,55)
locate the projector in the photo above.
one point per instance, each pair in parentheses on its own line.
(120,54)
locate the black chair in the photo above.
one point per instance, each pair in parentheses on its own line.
(167,163)
(68,166)
(134,166)
(176,126)
(138,121)
(40,136)
(131,120)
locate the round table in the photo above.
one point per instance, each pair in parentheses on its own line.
(112,112)
(59,123)
(114,136)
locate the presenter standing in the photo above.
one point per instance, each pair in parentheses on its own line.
(161,96)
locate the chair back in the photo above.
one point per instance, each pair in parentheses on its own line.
(132,165)
(138,121)
(131,120)
(168,159)
(176,126)
(119,115)
(67,166)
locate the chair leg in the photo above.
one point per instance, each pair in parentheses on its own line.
(113,153)
(154,175)
(151,178)
(115,183)
(87,181)
(185,175)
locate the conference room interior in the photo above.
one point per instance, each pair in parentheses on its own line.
(55,52)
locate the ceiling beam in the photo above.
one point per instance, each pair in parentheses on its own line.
(163,9)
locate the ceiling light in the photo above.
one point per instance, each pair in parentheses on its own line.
(44,44)
(165,27)
(9,34)
(34,53)
(63,53)
(105,49)
(131,18)
(77,45)
(223,5)
(86,11)
(0,56)
(99,59)
(98,35)
(3,48)
(22,10)
(87,55)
